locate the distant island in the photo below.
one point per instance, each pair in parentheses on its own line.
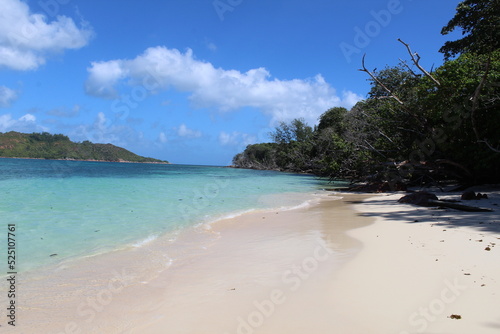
(60,147)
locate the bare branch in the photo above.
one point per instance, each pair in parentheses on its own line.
(487,143)
(374,149)
(415,57)
(408,67)
(379,82)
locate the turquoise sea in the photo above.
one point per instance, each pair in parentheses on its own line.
(69,209)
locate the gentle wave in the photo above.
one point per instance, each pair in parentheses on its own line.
(146,241)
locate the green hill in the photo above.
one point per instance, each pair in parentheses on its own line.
(48,146)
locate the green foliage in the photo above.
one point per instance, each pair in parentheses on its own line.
(333,118)
(480,23)
(47,146)
(257,156)
(446,128)
(438,133)
(297,130)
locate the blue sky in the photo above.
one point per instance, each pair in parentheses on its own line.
(195,81)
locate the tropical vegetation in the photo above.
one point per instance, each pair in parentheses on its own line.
(57,146)
(415,126)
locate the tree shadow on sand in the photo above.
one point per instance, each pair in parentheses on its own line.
(444,217)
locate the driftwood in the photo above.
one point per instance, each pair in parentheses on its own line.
(457,206)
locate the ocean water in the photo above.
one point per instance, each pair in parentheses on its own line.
(75,209)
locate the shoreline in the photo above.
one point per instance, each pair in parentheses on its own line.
(92,160)
(228,266)
(344,264)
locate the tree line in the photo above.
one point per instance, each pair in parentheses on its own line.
(58,146)
(416,126)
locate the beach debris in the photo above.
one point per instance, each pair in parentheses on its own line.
(487,249)
(467,274)
(455,316)
(52,255)
(460,207)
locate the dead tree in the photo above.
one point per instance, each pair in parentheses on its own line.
(415,57)
(391,95)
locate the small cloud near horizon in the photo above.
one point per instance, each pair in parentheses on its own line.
(7,96)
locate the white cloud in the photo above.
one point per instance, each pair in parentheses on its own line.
(211,46)
(162,138)
(103,77)
(7,96)
(28,118)
(184,131)
(236,138)
(26,123)
(65,112)
(26,39)
(104,131)
(227,90)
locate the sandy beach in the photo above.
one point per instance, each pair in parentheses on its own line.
(343,264)
(419,266)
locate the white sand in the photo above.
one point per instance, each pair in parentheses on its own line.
(419,266)
(290,272)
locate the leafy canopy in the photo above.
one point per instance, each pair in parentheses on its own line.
(480,24)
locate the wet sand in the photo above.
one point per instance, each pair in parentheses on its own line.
(261,272)
(360,264)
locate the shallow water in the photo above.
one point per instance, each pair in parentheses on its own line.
(70,209)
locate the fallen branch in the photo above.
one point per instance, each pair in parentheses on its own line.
(457,206)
